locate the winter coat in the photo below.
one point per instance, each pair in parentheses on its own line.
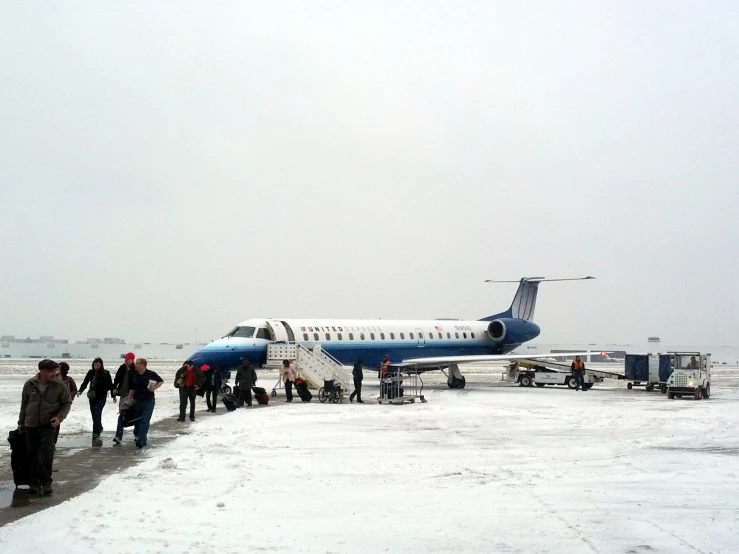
(37,408)
(357,372)
(287,373)
(246,377)
(70,384)
(103,385)
(122,381)
(198,378)
(213,379)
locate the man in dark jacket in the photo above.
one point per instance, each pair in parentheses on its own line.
(358,376)
(45,403)
(121,386)
(213,383)
(188,379)
(246,377)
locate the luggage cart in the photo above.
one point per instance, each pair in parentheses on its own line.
(278,385)
(400,385)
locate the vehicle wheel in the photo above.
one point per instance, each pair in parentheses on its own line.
(274,393)
(629,386)
(571,382)
(587,386)
(679,395)
(707,391)
(322,395)
(525,381)
(650,388)
(670,395)
(227,389)
(540,384)
(663,388)
(698,394)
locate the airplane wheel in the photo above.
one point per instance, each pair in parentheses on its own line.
(464,382)
(525,381)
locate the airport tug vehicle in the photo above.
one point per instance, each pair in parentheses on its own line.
(691,375)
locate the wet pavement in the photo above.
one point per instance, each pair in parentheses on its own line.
(78,467)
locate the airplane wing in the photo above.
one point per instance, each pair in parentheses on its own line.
(441,361)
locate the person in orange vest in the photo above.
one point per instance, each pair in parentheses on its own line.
(383,366)
(578,371)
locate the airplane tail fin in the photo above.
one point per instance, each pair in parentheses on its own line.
(524,301)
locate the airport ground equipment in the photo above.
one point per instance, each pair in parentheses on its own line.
(691,375)
(401,384)
(648,370)
(538,372)
(313,363)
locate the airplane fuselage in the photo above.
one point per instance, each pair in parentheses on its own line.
(348,340)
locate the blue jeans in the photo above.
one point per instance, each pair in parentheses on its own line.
(96,409)
(580,378)
(144,410)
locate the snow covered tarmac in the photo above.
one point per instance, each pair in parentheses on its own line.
(487,469)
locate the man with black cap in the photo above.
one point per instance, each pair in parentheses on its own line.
(45,403)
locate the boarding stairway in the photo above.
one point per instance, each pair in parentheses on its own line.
(312,363)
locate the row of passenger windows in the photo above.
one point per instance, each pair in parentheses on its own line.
(340,336)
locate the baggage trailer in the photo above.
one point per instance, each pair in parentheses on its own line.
(542,373)
(647,370)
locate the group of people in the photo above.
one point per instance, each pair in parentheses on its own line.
(47,399)
(48,396)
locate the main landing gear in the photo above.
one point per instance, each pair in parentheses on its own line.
(455,379)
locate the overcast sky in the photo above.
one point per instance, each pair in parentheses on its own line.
(175,165)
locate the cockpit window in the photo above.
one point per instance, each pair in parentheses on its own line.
(242,332)
(263,333)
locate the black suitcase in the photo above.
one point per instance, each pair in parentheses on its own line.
(303,392)
(229,400)
(18,457)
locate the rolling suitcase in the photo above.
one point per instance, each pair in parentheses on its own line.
(18,457)
(261,395)
(229,400)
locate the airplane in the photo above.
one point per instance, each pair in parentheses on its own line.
(427,345)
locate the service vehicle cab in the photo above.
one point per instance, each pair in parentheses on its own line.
(691,375)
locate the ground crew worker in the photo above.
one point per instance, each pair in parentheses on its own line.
(358,376)
(45,403)
(383,367)
(578,371)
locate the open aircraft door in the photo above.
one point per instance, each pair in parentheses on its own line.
(421,338)
(278,330)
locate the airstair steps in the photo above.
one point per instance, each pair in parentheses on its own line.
(312,363)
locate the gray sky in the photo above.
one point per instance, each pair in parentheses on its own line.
(171,165)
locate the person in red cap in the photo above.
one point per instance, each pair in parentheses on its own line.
(121,386)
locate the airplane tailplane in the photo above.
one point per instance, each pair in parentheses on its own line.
(524,301)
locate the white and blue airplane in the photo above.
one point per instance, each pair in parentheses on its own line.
(426,344)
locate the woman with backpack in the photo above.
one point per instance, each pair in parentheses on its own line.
(101,383)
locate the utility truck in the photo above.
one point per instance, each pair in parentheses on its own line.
(691,375)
